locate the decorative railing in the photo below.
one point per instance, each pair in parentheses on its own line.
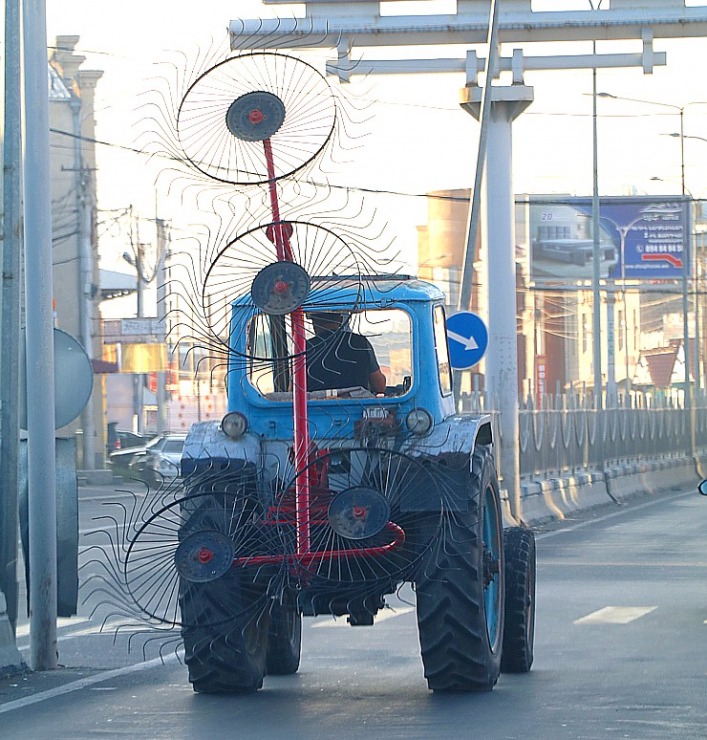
(568,434)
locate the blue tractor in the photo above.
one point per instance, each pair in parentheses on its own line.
(306,502)
(326,487)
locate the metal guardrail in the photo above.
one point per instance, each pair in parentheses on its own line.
(569,435)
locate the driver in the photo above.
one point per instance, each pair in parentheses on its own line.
(339,358)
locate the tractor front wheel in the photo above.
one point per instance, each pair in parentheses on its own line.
(284,640)
(460,591)
(519,630)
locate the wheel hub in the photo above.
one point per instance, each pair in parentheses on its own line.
(492,567)
(280,288)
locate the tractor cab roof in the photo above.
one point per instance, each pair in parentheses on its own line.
(363,292)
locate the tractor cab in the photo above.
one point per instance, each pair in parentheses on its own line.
(402,320)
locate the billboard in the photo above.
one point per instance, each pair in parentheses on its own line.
(640,238)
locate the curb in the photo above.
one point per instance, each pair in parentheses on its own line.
(553,499)
(94,477)
(10,659)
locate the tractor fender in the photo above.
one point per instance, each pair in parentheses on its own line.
(458,433)
(208,450)
(449,448)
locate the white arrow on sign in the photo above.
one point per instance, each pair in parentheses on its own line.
(467,342)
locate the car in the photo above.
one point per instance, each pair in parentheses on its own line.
(122,439)
(120,459)
(158,460)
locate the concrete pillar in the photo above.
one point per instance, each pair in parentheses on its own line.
(498,234)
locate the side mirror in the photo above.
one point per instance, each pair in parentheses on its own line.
(702,487)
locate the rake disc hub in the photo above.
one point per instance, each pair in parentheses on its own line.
(203,556)
(359,512)
(280,288)
(255,116)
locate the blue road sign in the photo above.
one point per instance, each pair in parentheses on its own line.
(468,339)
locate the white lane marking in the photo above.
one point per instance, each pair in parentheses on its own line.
(112,628)
(84,682)
(616,615)
(380,617)
(23,630)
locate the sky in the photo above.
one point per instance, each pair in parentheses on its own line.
(417,138)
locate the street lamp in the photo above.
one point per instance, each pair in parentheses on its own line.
(685,267)
(681,112)
(596,256)
(684,136)
(136,261)
(685,292)
(596,246)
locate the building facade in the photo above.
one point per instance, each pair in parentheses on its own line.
(640,319)
(74,243)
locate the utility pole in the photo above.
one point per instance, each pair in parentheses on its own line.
(162,255)
(41,463)
(596,240)
(139,379)
(136,258)
(10,340)
(84,207)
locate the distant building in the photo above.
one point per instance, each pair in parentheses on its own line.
(74,196)
(555,309)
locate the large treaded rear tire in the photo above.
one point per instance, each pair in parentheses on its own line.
(225,622)
(284,640)
(227,656)
(519,629)
(460,591)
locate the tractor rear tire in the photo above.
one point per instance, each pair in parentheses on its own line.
(519,629)
(284,640)
(225,622)
(460,590)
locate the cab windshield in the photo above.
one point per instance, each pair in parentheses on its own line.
(345,353)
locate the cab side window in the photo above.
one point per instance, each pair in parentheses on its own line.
(445,369)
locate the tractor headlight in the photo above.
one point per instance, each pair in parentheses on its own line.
(234,425)
(419,421)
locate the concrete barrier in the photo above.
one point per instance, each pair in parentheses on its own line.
(553,499)
(10,659)
(636,479)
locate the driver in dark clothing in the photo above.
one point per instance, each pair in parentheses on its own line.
(338,358)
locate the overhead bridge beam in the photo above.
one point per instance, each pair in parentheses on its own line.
(363,27)
(473,64)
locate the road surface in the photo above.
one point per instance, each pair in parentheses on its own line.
(621,652)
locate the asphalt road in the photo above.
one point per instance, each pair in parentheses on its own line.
(621,652)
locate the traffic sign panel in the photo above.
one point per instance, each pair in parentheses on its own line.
(468,339)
